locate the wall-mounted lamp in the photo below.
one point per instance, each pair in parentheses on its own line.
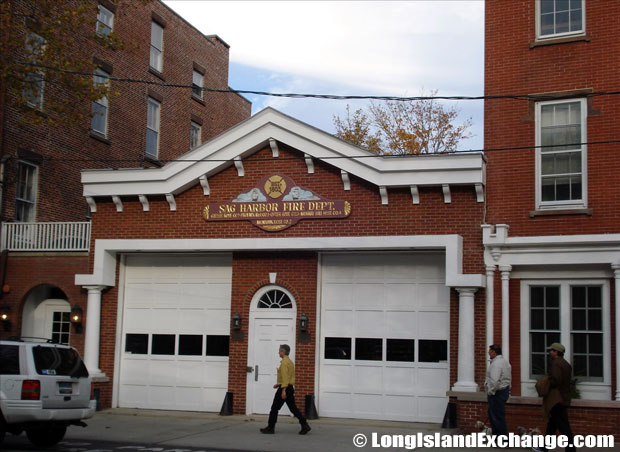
(76,318)
(236,321)
(303,323)
(5,316)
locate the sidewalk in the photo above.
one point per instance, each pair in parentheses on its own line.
(209,430)
(190,429)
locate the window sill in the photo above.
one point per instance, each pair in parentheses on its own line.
(561,40)
(156,73)
(199,100)
(154,160)
(554,212)
(99,137)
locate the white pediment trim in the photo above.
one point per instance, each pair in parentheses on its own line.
(259,132)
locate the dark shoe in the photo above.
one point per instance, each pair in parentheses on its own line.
(305,428)
(268,430)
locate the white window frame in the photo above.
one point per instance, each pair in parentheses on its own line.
(592,390)
(101,77)
(197,87)
(105,21)
(34,99)
(193,143)
(153,124)
(541,37)
(156,59)
(35,189)
(565,204)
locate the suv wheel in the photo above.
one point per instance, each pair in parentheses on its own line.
(46,436)
(2,432)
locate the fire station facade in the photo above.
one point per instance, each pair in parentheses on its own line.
(369,267)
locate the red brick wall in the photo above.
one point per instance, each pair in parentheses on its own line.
(512,67)
(72,148)
(583,420)
(296,272)
(24,273)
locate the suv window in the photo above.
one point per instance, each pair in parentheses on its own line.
(9,360)
(58,361)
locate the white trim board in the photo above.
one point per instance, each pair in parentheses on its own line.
(257,132)
(104,267)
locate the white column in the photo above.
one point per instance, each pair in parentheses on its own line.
(489,301)
(616,268)
(505,269)
(93,327)
(466,375)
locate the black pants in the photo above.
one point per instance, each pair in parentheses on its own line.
(278,402)
(497,411)
(558,420)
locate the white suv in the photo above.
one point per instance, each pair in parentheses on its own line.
(44,387)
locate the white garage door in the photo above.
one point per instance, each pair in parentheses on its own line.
(384,337)
(175,334)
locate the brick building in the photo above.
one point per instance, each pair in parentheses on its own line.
(552,232)
(275,232)
(46,219)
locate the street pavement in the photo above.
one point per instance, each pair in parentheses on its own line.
(173,431)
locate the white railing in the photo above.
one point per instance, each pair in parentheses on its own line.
(74,236)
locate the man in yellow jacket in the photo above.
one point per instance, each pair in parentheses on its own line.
(285,393)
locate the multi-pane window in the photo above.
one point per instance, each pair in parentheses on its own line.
(99,108)
(157,46)
(561,154)
(105,21)
(194,135)
(152,127)
(587,332)
(26,192)
(197,78)
(33,79)
(560,17)
(572,314)
(61,326)
(544,326)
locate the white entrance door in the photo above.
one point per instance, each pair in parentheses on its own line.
(384,337)
(272,323)
(51,321)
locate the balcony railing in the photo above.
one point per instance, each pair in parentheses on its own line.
(74,236)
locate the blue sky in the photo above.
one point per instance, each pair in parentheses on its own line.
(349,48)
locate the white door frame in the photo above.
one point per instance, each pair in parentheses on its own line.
(264,313)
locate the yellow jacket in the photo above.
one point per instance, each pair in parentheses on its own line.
(286,373)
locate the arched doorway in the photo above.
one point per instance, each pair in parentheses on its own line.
(272,322)
(46,314)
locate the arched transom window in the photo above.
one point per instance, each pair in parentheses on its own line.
(275,299)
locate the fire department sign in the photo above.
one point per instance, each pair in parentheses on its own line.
(276,203)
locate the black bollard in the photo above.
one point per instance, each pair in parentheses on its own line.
(449,418)
(227,406)
(311,408)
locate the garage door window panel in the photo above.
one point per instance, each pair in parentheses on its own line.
(163,344)
(338,348)
(402,350)
(138,344)
(190,344)
(368,349)
(218,345)
(433,351)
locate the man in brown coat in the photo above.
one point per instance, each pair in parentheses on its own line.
(557,399)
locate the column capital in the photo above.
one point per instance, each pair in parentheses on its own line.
(463,291)
(505,268)
(491,269)
(95,288)
(616,269)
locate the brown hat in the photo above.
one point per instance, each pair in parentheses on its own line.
(557,347)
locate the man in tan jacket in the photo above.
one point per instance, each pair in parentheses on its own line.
(285,393)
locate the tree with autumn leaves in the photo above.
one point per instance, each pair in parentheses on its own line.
(395,127)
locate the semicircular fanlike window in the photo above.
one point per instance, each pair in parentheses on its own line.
(275,299)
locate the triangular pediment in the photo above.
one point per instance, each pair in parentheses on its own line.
(267,128)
